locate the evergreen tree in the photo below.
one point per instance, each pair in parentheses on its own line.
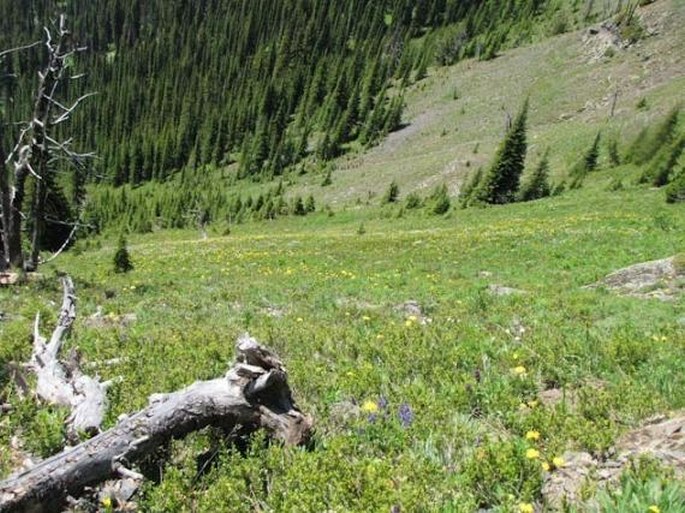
(392,193)
(440,200)
(592,155)
(501,182)
(675,191)
(470,186)
(537,185)
(122,259)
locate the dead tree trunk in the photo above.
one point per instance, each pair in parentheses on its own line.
(254,394)
(66,385)
(33,153)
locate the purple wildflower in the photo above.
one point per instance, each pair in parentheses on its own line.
(406,415)
(382,403)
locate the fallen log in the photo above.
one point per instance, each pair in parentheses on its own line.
(66,385)
(254,394)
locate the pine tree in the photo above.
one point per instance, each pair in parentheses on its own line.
(392,193)
(501,182)
(537,185)
(122,259)
(471,184)
(592,155)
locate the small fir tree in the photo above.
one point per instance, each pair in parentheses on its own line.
(501,182)
(122,259)
(440,200)
(592,155)
(675,191)
(392,194)
(310,205)
(470,186)
(537,186)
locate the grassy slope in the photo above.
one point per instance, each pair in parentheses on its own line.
(344,340)
(570,95)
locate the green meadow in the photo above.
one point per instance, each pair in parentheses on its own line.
(427,409)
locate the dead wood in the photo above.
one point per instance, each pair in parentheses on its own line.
(254,394)
(66,385)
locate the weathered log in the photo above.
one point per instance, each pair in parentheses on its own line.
(254,394)
(66,385)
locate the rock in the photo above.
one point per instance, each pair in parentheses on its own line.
(660,439)
(659,279)
(412,309)
(501,290)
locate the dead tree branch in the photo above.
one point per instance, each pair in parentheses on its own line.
(66,385)
(254,394)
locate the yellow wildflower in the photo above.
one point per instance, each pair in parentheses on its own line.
(519,370)
(369,406)
(366,318)
(380,336)
(533,435)
(526,507)
(654,509)
(106,502)
(558,462)
(546,466)
(300,319)
(532,454)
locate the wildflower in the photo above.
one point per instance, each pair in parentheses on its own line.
(532,454)
(382,403)
(526,507)
(408,323)
(380,336)
(406,415)
(546,466)
(533,435)
(369,406)
(532,404)
(366,318)
(519,370)
(106,502)
(654,509)
(300,319)
(558,462)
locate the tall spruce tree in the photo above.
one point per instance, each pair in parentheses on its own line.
(501,182)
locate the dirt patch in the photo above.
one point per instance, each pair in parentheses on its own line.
(661,439)
(660,279)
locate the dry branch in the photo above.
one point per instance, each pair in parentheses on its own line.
(66,385)
(254,394)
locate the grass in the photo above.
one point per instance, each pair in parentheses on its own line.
(336,292)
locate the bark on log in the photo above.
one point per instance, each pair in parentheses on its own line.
(66,385)
(254,394)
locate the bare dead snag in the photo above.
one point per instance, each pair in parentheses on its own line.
(254,394)
(66,385)
(36,152)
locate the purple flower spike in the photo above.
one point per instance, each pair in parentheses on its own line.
(406,415)
(382,403)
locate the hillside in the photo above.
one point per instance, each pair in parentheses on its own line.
(481,359)
(571,92)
